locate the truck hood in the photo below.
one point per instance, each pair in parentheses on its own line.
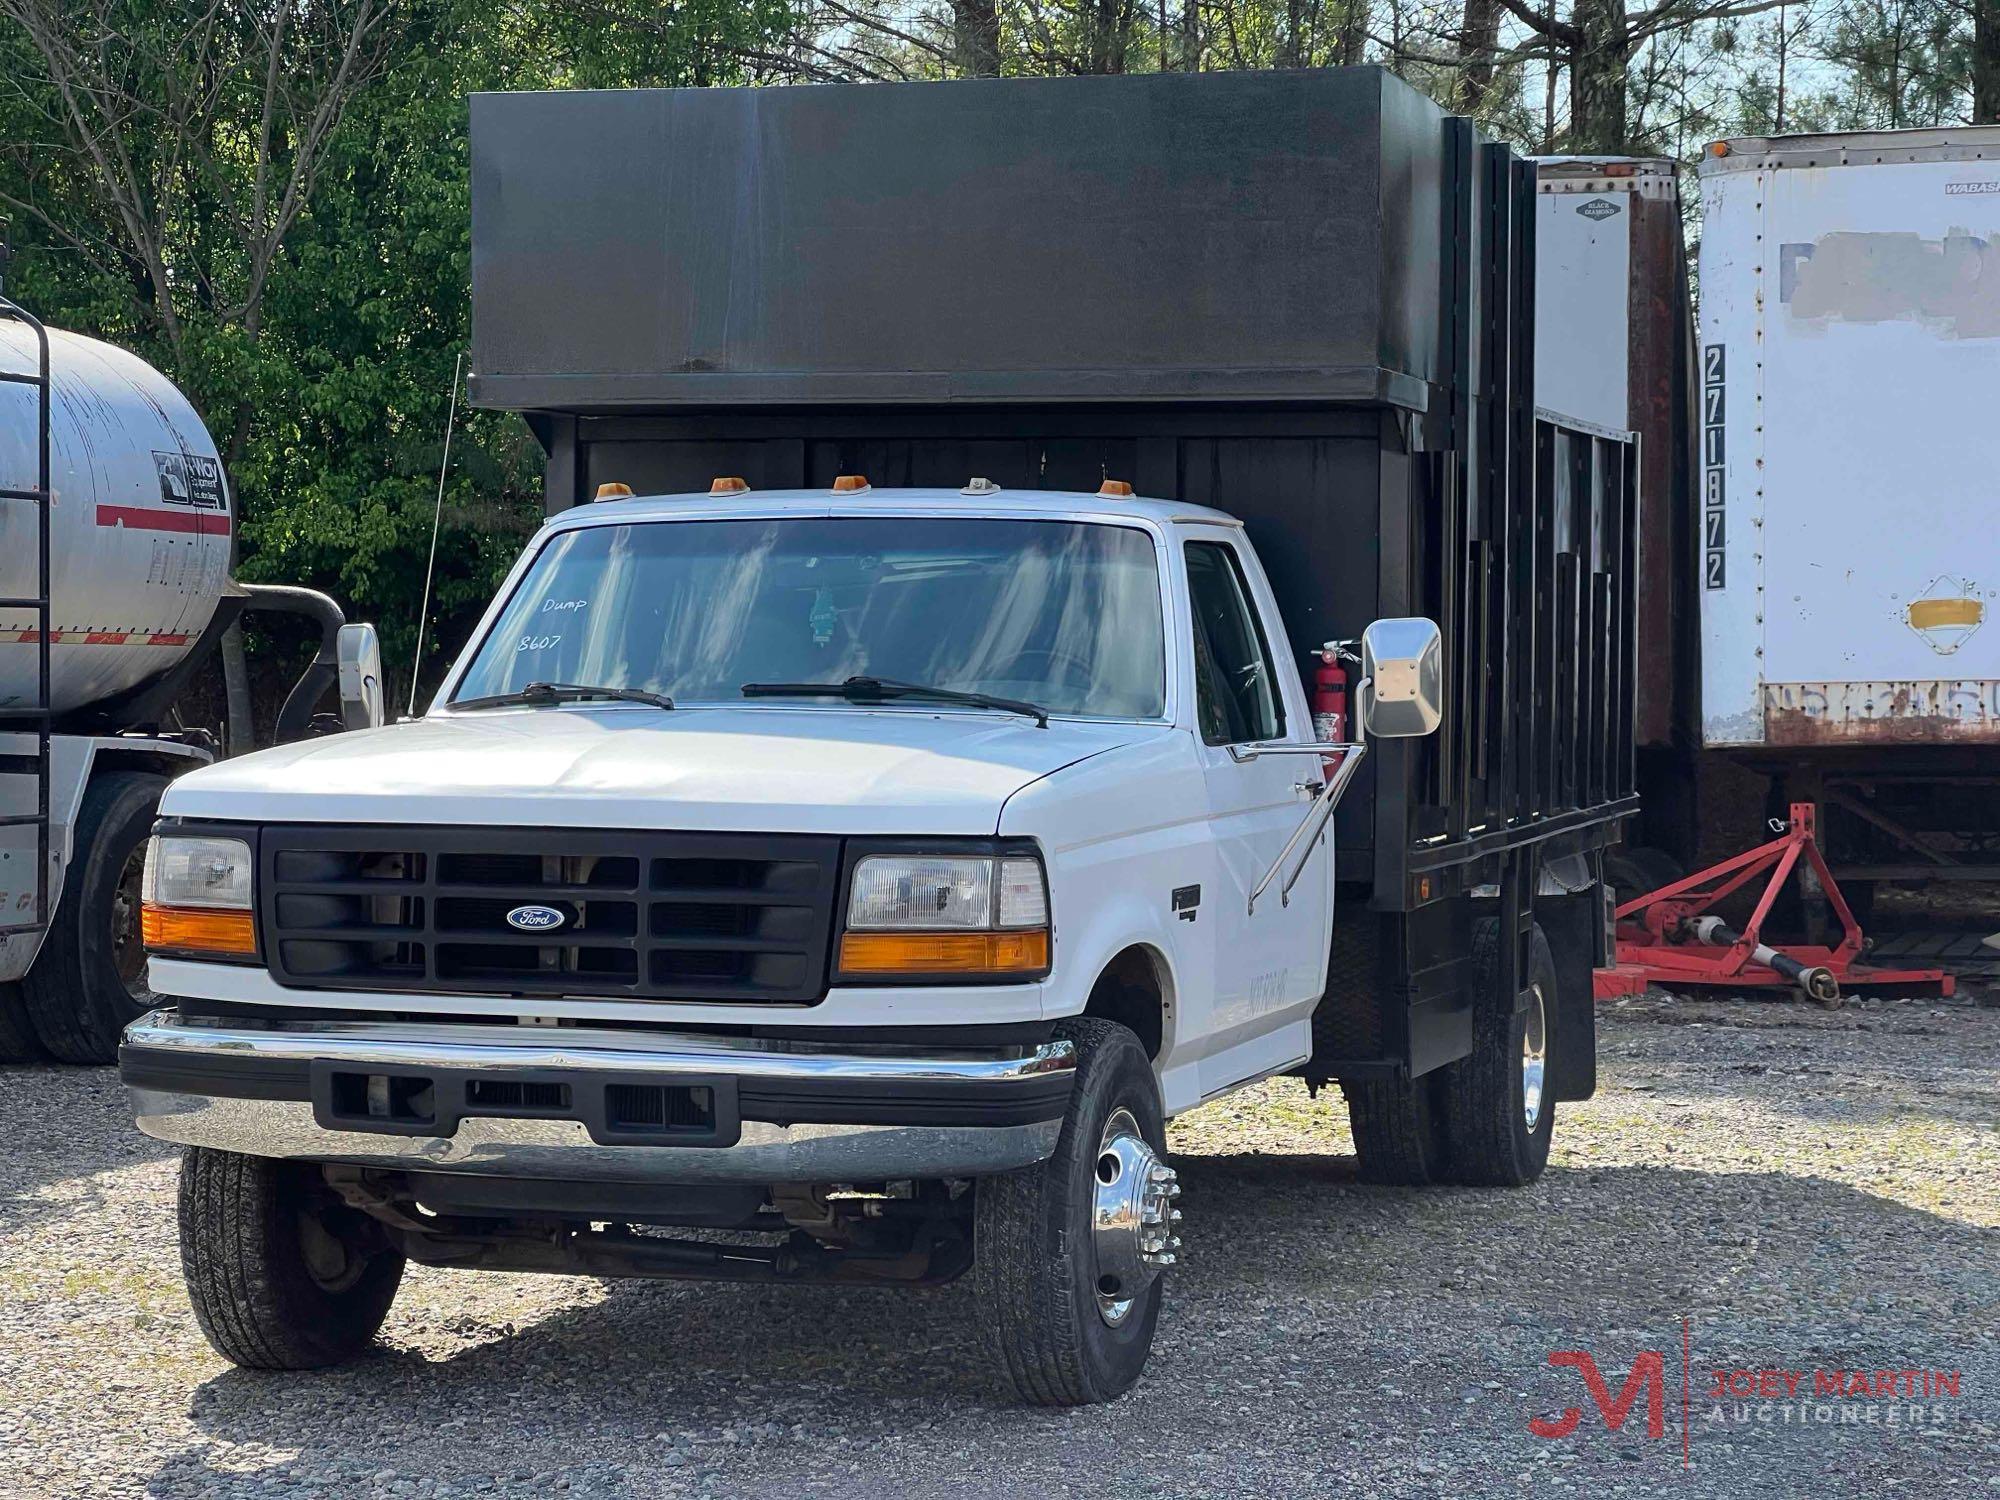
(768,769)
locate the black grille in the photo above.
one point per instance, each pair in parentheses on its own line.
(667,916)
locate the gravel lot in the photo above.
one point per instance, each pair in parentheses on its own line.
(1808,1190)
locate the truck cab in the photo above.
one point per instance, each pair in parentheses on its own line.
(801,861)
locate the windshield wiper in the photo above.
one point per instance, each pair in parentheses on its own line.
(881,689)
(541,694)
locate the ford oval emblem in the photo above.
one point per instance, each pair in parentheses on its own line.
(535,918)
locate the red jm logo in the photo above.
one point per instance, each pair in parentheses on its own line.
(1649,1372)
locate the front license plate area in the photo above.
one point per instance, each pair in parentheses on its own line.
(618,1109)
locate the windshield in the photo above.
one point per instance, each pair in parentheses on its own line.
(1062,614)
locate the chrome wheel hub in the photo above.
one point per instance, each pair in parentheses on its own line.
(1534,1056)
(1133,1222)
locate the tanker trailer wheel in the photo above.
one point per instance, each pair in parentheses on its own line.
(1068,1254)
(89,980)
(1499,1111)
(282,1274)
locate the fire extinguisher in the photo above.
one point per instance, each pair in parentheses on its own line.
(1329,699)
(1329,702)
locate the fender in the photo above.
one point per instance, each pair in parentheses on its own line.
(1082,958)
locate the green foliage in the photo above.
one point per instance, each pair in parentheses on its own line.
(329,394)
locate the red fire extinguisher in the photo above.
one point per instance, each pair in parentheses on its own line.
(1330,695)
(1329,698)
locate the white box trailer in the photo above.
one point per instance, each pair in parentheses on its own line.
(1848,565)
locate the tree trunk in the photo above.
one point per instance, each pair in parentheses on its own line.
(1478,40)
(1784,55)
(1107,37)
(1597,78)
(1986,62)
(975,37)
(1290,54)
(1353,32)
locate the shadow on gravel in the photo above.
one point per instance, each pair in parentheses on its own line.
(1296,1276)
(62,1123)
(1605,1243)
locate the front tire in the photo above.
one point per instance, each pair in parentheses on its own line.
(282,1275)
(89,979)
(1072,1306)
(1500,1112)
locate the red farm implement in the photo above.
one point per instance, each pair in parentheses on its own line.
(1669,937)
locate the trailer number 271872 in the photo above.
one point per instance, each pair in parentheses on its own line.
(1713,510)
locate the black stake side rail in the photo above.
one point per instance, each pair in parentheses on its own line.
(1523,544)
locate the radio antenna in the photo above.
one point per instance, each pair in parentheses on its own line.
(437,518)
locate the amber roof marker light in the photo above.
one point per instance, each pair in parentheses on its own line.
(728,484)
(1116,489)
(852,484)
(613,490)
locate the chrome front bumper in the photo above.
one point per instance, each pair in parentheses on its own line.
(793,1113)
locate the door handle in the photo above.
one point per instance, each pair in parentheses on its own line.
(1309,788)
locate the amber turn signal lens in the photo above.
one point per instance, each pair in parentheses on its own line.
(178,930)
(944,952)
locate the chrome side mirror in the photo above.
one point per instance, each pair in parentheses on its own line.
(360,651)
(1402,667)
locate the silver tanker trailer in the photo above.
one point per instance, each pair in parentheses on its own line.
(116,527)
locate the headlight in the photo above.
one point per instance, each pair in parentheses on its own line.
(195,896)
(947,915)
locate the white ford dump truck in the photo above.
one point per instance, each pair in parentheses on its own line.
(871,872)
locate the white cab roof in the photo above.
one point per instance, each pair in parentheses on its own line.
(1007,504)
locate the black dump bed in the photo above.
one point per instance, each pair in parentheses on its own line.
(1303,297)
(1255,237)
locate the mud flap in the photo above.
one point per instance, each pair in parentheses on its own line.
(1574,927)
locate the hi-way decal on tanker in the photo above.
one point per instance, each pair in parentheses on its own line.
(190,479)
(190,485)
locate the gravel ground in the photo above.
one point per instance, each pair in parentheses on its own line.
(1809,1191)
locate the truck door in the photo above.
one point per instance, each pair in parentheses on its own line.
(1270,964)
